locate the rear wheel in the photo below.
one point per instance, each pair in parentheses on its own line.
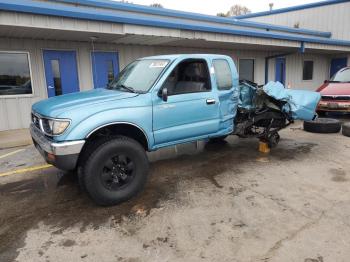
(115,171)
(323,125)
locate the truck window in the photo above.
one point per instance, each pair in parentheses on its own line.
(140,75)
(223,74)
(189,76)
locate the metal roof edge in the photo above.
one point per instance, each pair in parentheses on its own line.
(292,8)
(190,15)
(46,8)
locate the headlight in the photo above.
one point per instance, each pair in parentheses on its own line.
(54,126)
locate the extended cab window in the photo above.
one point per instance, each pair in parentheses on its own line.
(223,74)
(140,75)
(189,76)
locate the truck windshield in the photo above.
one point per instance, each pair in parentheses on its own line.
(343,76)
(139,76)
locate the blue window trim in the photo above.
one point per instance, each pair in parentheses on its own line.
(48,8)
(293,8)
(195,16)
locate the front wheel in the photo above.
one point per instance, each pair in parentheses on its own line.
(115,171)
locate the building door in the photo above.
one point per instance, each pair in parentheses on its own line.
(61,72)
(280,70)
(105,68)
(337,64)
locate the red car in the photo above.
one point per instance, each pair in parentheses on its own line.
(335,93)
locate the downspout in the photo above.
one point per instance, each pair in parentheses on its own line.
(267,59)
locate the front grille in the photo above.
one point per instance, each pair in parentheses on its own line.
(36,120)
(336,98)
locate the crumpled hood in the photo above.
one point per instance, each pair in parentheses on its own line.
(301,104)
(55,106)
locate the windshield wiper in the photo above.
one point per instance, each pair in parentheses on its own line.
(128,88)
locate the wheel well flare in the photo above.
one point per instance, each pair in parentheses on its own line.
(123,129)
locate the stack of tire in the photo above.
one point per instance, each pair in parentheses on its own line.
(326,126)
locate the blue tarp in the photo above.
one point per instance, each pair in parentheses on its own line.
(300,103)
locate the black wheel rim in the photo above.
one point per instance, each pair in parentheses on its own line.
(117,172)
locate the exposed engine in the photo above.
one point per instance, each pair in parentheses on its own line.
(259,115)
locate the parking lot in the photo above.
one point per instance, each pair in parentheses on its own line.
(203,202)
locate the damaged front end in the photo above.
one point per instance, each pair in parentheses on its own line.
(264,110)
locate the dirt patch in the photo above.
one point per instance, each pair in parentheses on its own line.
(339,175)
(68,243)
(293,152)
(319,259)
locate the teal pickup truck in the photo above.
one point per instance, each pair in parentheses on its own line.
(157,102)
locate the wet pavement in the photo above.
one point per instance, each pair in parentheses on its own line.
(203,202)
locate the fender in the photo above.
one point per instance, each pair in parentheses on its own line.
(124,123)
(139,117)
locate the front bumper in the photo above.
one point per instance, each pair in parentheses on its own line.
(334,106)
(63,155)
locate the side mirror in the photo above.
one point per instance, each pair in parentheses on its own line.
(163,93)
(325,81)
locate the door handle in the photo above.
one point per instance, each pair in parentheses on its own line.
(211,101)
(50,87)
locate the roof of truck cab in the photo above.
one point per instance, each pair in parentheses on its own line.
(183,56)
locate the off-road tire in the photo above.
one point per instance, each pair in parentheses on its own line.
(322,125)
(217,139)
(346,129)
(91,165)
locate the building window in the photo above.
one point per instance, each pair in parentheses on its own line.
(110,73)
(15,74)
(308,70)
(56,73)
(246,69)
(223,74)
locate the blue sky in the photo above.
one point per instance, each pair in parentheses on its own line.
(217,6)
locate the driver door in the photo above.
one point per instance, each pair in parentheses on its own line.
(192,109)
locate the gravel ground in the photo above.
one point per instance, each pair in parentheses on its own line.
(203,202)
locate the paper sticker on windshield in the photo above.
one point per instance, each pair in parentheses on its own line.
(158,64)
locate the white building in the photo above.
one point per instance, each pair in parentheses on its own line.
(49,48)
(331,16)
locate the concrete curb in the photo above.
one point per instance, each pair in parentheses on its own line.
(15,138)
